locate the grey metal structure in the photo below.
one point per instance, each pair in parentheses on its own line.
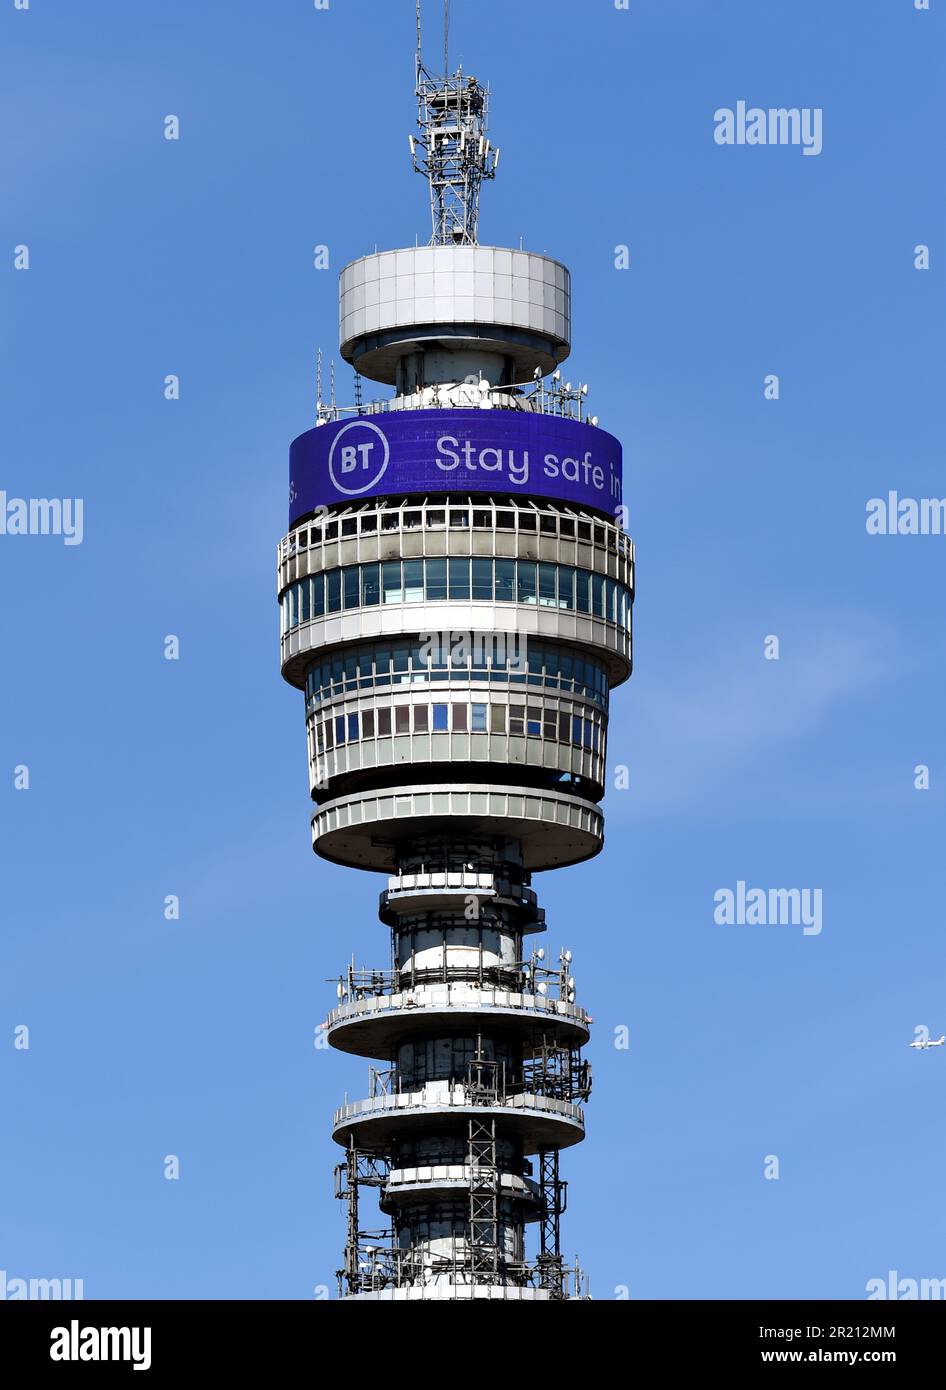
(458,775)
(452,149)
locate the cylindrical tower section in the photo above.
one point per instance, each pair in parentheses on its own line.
(456,592)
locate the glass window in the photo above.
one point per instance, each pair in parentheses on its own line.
(563,728)
(460,719)
(367,724)
(547,587)
(402,719)
(327,740)
(350,664)
(371,585)
(534,722)
(440,718)
(581,590)
(549,723)
(526,581)
(566,587)
(478,724)
(413,581)
(505,581)
(318,595)
(350,586)
(576,729)
(391,581)
(588,733)
(333,596)
(597,595)
(353,728)
(382,666)
(420,719)
(483,579)
(401,658)
(340,728)
(436,579)
(497,719)
(384,723)
(516,717)
(305,601)
(459,578)
(612,592)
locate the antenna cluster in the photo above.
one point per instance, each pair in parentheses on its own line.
(452,149)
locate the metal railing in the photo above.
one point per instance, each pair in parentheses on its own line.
(382,1268)
(534,397)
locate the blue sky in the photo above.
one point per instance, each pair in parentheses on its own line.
(149,777)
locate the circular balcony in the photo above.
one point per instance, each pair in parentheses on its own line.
(372,1026)
(443,1289)
(363,830)
(539,1122)
(446,1180)
(409,893)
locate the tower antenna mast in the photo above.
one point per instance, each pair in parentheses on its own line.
(451,148)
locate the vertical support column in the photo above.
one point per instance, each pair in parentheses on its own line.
(553,1205)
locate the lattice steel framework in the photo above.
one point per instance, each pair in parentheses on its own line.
(452,149)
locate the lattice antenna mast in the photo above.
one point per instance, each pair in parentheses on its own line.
(452,149)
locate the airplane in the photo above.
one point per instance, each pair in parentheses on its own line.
(929,1042)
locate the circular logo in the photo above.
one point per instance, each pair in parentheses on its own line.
(357,461)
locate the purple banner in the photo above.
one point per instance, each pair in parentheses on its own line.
(503,452)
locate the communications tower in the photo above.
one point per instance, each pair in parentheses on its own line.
(456,592)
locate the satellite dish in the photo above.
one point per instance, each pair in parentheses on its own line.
(566,955)
(540,953)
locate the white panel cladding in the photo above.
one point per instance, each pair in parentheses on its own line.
(455,284)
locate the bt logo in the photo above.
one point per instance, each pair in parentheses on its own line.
(357,461)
